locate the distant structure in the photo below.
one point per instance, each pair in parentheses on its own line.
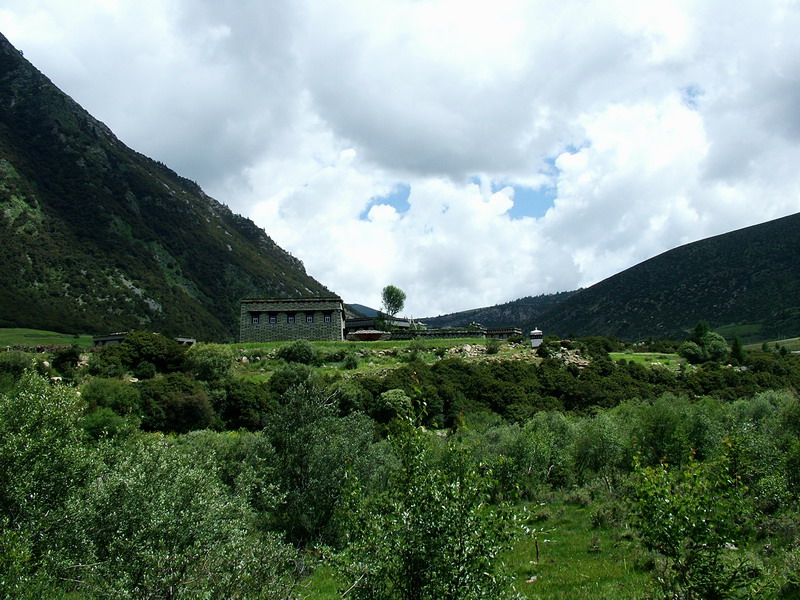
(361,321)
(284,319)
(536,337)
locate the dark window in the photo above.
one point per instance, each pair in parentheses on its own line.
(327,318)
(273,319)
(255,321)
(309,318)
(290,319)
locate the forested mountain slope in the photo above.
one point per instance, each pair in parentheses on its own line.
(745,282)
(508,314)
(97,237)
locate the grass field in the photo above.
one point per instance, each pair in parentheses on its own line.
(35,337)
(792,344)
(670,361)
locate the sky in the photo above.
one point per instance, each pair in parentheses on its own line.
(468,152)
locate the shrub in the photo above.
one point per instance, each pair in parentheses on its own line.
(165,354)
(174,403)
(350,361)
(300,351)
(66,360)
(120,396)
(292,375)
(210,362)
(430,534)
(160,525)
(315,453)
(688,516)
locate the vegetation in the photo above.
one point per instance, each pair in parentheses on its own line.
(393,299)
(429,470)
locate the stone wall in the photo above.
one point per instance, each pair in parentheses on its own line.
(284,320)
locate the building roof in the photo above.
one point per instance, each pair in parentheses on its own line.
(310,299)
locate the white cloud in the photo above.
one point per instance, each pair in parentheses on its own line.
(656,124)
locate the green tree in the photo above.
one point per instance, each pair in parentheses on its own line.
(299,351)
(160,523)
(394,299)
(314,450)
(699,331)
(174,403)
(210,362)
(715,346)
(164,353)
(689,516)
(737,351)
(432,532)
(43,458)
(118,395)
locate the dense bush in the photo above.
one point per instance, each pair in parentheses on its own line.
(210,362)
(430,534)
(133,517)
(300,351)
(174,403)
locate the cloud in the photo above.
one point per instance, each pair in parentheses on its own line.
(648,124)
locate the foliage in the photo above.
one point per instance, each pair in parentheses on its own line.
(158,525)
(210,362)
(136,517)
(431,534)
(243,404)
(492,346)
(120,396)
(292,375)
(738,353)
(314,449)
(691,516)
(704,346)
(299,351)
(393,299)
(174,403)
(141,346)
(41,452)
(66,360)
(13,364)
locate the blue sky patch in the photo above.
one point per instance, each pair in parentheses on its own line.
(528,201)
(531,202)
(397,198)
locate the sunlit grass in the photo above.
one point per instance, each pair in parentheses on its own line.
(35,337)
(576,561)
(670,361)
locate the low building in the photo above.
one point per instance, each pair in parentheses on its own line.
(289,319)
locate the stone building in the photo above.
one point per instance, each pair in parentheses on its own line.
(282,320)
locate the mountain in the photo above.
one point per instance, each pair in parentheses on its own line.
(746,283)
(508,314)
(97,237)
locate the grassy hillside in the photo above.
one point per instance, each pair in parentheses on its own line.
(33,337)
(99,238)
